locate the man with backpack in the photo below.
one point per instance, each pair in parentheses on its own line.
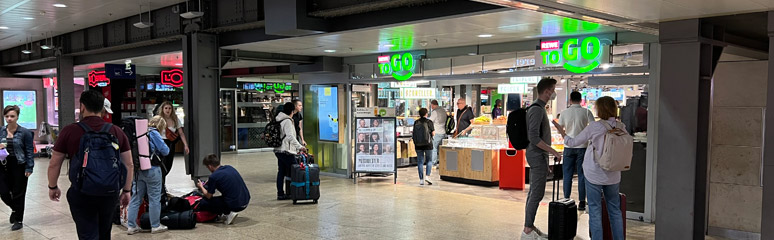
(575,118)
(438,117)
(423,133)
(539,135)
(288,146)
(98,179)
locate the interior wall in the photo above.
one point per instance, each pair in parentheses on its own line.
(739,101)
(35,84)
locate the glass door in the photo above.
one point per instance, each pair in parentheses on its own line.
(227,120)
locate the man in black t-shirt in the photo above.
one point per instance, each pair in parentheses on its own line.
(298,121)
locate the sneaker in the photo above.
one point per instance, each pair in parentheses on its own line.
(582,206)
(282,197)
(540,233)
(159,229)
(133,230)
(17,226)
(428,182)
(230,218)
(421,182)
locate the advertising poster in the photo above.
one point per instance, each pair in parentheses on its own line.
(375,144)
(328,113)
(27,102)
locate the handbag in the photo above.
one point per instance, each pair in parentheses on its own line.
(171,135)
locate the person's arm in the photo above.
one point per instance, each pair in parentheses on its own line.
(562,120)
(534,120)
(469,117)
(583,137)
(185,141)
(432,128)
(126,158)
(54,168)
(29,151)
(301,132)
(158,143)
(206,194)
(590,116)
(290,133)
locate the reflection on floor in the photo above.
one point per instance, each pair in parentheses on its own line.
(372,209)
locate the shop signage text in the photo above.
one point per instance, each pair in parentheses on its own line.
(121,71)
(576,55)
(172,77)
(403,84)
(417,93)
(98,79)
(511,88)
(527,61)
(400,66)
(263,87)
(530,79)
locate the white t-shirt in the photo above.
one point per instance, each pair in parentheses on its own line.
(574,119)
(172,128)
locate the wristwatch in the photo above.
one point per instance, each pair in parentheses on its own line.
(125,191)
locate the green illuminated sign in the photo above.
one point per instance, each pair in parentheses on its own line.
(575,55)
(400,66)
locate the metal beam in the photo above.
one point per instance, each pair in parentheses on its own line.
(129,53)
(245,36)
(237,54)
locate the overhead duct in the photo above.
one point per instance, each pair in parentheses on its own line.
(357,7)
(289,18)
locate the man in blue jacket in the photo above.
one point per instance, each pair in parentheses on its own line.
(225,179)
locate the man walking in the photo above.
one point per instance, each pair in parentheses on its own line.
(438,117)
(574,119)
(91,207)
(539,134)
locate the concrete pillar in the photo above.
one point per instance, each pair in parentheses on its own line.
(66,87)
(768,145)
(683,141)
(200,98)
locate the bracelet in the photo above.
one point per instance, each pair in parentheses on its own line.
(125,191)
(54,187)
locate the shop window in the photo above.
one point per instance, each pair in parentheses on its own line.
(363,70)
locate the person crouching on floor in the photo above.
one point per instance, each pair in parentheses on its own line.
(225,179)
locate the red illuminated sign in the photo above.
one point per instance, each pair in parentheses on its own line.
(172,77)
(549,45)
(98,79)
(384,59)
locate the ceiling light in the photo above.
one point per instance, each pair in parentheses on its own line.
(605,66)
(329,51)
(45,47)
(143,24)
(28,18)
(178,64)
(3,27)
(25,51)
(389,45)
(528,6)
(59,5)
(472,54)
(485,35)
(560,12)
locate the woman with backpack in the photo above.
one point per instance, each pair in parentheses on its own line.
(17,162)
(423,144)
(172,133)
(286,153)
(600,182)
(148,182)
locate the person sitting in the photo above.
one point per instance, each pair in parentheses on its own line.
(225,179)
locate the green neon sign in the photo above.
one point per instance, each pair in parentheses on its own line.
(400,66)
(575,55)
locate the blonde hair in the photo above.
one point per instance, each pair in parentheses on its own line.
(157,122)
(172,115)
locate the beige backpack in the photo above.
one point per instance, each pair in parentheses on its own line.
(617,150)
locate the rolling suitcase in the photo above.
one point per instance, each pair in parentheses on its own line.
(607,231)
(305,180)
(562,216)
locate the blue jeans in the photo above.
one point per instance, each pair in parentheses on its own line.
(147,182)
(423,155)
(573,160)
(437,139)
(613,201)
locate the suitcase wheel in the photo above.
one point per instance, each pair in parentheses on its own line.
(294,202)
(315,201)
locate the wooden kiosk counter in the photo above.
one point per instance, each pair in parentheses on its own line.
(476,158)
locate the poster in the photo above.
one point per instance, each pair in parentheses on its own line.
(375,144)
(328,113)
(27,102)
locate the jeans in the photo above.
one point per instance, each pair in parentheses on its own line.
(93,215)
(573,160)
(538,173)
(437,139)
(613,201)
(424,158)
(147,182)
(284,161)
(217,205)
(13,187)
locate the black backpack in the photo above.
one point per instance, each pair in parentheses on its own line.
(128,126)
(421,136)
(272,134)
(517,128)
(96,169)
(449,125)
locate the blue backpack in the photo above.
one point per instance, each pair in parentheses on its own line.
(96,169)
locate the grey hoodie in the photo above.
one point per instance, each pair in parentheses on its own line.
(289,142)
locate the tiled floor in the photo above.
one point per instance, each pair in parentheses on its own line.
(372,209)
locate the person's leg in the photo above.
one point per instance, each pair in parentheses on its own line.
(437,139)
(84,213)
(216,205)
(167,161)
(5,189)
(581,178)
(139,190)
(538,173)
(420,162)
(613,201)
(19,192)
(153,184)
(429,162)
(106,207)
(568,170)
(595,210)
(280,174)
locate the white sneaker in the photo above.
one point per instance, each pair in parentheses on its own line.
(159,229)
(421,182)
(428,182)
(230,218)
(531,236)
(133,230)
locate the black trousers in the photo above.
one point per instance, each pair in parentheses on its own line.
(13,187)
(93,215)
(217,205)
(167,160)
(284,162)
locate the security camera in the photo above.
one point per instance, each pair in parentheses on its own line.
(423,43)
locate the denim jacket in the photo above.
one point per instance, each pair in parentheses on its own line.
(22,145)
(157,144)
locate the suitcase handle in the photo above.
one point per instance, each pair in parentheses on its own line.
(555,188)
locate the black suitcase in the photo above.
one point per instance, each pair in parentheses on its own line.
(173,220)
(562,216)
(305,180)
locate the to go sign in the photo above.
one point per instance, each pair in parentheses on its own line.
(575,55)
(400,66)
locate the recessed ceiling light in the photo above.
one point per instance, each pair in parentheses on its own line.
(329,51)
(28,18)
(59,5)
(3,27)
(25,51)
(389,45)
(485,35)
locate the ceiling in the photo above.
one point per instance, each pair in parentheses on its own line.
(504,26)
(78,14)
(666,10)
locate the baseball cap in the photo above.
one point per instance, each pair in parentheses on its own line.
(107,106)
